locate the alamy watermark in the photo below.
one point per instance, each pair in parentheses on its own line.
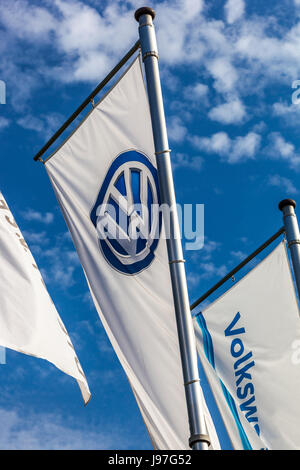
(125,224)
(295,358)
(2,92)
(296,94)
(2,355)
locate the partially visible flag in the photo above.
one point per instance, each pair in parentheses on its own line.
(105,172)
(248,342)
(29,322)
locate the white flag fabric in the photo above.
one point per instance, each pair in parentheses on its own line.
(248,341)
(29,322)
(110,159)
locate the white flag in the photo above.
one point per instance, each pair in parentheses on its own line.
(249,345)
(106,165)
(29,322)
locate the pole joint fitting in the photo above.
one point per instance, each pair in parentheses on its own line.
(162,151)
(290,214)
(198,438)
(149,54)
(191,382)
(293,242)
(145,24)
(177,261)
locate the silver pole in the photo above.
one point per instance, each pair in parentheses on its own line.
(199,439)
(287,206)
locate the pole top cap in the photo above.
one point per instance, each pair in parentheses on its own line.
(144,11)
(287,202)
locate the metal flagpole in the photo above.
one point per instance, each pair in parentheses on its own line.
(287,206)
(199,439)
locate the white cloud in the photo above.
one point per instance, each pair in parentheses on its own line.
(31,214)
(209,248)
(213,39)
(88,66)
(244,148)
(284,148)
(281,149)
(87,298)
(182,160)
(234,10)
(196,93)
(72,257)
(22,82)
(285,184)
(87,41)
(239,255)
(219,143)
(241,57)
(207,268)
(60,274)
(81,28)
(58,267)
(289,112)
(93,40)
(36,431)
(26,20)
(176,129)
(224,73)
(232,112)
(232,151)
(178,30)
(206,271)
(45,125)
(35,238)
(260,127)
(200,90)
(4,122)
(58,262)
(32,123)
(281,108)
(269,55)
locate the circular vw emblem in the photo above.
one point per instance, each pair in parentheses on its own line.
(126,214)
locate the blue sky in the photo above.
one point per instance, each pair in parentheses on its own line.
(227,69)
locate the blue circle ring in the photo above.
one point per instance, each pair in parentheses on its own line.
(134,268)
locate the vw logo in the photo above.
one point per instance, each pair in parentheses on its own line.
(126,214)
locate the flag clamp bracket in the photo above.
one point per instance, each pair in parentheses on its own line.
(145,24)
(162,151)
(191,382)
(177,261)
(293,242)
(198,438)
(288,215)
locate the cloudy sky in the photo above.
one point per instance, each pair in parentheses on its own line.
(227,70)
